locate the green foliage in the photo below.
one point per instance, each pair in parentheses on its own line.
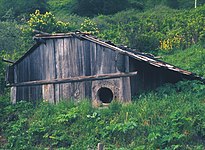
(191,59)
(158,29)
(93,7)
(89,27)
(172,117)
(14,121)
(63,6)
(21,7)
(47,23)
(10,36)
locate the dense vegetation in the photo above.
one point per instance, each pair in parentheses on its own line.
(171,117)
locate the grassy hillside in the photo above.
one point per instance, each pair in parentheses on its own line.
(172,117)
(192,59)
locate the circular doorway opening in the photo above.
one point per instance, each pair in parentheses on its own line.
(105,95)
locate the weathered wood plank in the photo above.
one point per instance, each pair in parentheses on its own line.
(48,93)
(51,60)
(111,84)
(59,48)
(87,63)
(76,79)
(125,89)
(93,58)
(13,95)
(57,93)
(100,146)
(65,88)
(42,60)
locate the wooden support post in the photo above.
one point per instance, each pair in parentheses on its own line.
(100,146)
(13,95)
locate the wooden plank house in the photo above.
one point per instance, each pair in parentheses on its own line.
(77,65)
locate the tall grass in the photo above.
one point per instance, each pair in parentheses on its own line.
(192,59)
(171,117)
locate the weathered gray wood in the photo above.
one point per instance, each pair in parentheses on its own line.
(87,55)
(76,79)
(65,89)
(57,93)
(7,61)
(48,93)
(50,60)
(13,95)
(114,48)
(127,66)
(41,59)
(38,95)
(93,60)
(112,84)
(100,146)
(15,74)
(125,89)
(59,48)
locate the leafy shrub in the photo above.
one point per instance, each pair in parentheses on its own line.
(89,27)
(22,7)
(47,23)
(172,117)
(161,28)
(191,59)
(10,37)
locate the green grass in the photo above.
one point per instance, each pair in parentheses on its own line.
(171,117)
(192,59)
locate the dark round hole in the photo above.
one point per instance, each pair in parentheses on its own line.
(105,95)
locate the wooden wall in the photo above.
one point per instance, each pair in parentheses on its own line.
(64,58)
(150,77)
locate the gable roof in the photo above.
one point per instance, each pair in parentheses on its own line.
(147,58)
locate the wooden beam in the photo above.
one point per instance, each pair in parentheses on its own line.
(8,61)
(100,146)
(75,79)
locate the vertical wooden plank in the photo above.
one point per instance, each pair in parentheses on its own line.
(32,95)
(100,59)
(57,93)
(42,58)
(127,67)
(36,54)
(13,95)
(88,89)
(34,69)
(66,58)
(100,146)
(48,93)
(87,60)
(80,58)
(125,89)
(50,60)
(79,90)
(65,88)
(59,48)
(15,74)
(93,58)
(104,60)
(38,94)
